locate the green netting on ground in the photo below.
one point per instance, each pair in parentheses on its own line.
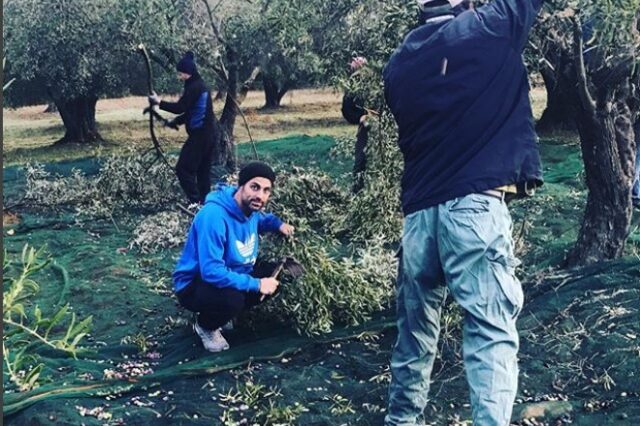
(128,294)
(340,378)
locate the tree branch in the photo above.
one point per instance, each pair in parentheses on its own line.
(252,77)
(34,334)
(165,63)
(614,74)
(222,70)
(583,84)
(214,27)
(547,65)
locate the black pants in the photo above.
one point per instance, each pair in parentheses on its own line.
(360,157)
(217,306)
(194,164)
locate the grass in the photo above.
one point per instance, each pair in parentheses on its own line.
(29,133)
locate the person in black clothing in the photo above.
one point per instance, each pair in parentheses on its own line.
(195,110)
(354,113)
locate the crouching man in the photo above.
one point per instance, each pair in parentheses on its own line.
(214,274)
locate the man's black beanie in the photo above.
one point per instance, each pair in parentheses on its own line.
(256,169)
(187,64)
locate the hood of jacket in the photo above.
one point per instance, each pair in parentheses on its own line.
(223,196)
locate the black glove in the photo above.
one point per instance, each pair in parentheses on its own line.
(171,124)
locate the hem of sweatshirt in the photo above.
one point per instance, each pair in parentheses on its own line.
(254,285)
(461,191)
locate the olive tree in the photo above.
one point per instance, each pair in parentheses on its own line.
(600,38)
(284,33)
(73,52)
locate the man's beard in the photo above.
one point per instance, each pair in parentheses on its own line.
(253,205)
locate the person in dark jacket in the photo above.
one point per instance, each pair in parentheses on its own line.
(354,113)
(195,110)
(215,274)
(458,89)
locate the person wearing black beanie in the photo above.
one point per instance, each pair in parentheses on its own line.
(256,169)
(195,111)
(187,64)
(216,275)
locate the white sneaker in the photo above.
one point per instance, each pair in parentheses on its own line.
(213,341)
(228,326)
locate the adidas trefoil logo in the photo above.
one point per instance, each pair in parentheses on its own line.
(246,248)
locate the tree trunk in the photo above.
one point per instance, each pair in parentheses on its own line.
(51,107)
(244,89)
(607,150)
(224,159)
(558,114)
(273,93)
(220,95)
(79,118)
(224,156)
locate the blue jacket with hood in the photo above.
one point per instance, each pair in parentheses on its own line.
(459,92)
(222,245)
(194,106)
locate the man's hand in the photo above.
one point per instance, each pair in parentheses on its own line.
(171,124)
(268,286)
(154,99)
(287,230)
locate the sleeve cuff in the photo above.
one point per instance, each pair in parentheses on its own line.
(255,285)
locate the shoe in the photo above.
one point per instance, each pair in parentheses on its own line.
(213,341)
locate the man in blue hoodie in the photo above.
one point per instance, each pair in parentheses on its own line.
(195,111)
(458,89)
(214,274)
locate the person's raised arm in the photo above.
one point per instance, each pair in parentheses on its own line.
(510,18)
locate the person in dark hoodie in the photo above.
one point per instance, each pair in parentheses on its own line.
(458,89)
(213,276)
(195,110)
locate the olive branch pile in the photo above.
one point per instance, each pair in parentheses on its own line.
(345,242)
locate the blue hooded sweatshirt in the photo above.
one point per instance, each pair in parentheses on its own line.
(459,92)
(222,245)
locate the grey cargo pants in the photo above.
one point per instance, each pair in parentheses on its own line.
(463,245)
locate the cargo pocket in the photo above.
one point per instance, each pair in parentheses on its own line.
(398,257)
(472,204)
(504,272)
